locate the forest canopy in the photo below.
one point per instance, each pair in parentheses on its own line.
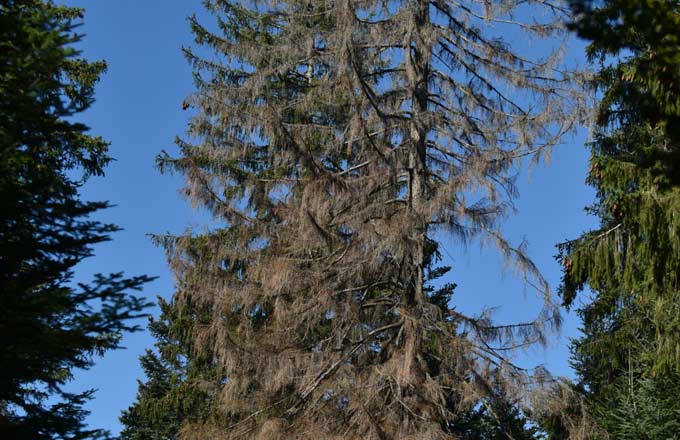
(335,152)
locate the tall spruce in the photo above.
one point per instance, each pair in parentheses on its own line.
(50,327)
(628,360)
(338,141)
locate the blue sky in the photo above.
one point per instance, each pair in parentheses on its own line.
(138,109)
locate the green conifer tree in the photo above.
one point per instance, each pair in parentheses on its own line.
(337,140)
(48,326)
(629,355)
(180,385)
(182,381)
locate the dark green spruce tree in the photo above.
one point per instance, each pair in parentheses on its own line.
(182,382)
(628,359)
(48,326)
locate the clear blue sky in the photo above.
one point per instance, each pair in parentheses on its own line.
(138,109)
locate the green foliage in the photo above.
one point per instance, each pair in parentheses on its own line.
(48,327)
(497,419)
(180,382)
(182,378)
(646,34)
(646,409)
(631,342)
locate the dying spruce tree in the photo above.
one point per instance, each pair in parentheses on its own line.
(338,140)
(182,384)
(628,360)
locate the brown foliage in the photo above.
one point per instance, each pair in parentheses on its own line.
(335,140)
